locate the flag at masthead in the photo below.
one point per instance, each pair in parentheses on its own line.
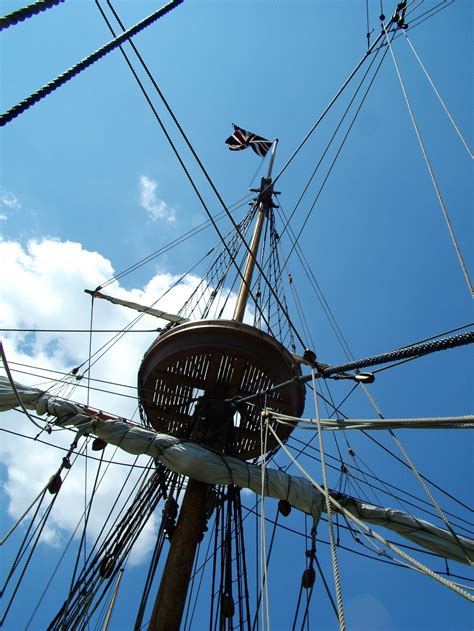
(242,139)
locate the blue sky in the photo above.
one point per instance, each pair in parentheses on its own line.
(90,185)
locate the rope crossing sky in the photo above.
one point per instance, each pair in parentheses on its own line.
(47,89)
(26,12)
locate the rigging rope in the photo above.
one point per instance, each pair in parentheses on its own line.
(417,475)
(328,146)
(429,13)
(471,154)
(417,350)
(419,566)
(211,183)
(432,175)
(337,579)
(47,89)
(26,12)
(385,558)
(263,545)
(333,100)
(450,422)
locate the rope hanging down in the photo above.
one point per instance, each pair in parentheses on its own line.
(26,12)
(337,579)
(85,63)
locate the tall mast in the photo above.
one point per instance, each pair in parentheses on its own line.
(171,598)
(264,205)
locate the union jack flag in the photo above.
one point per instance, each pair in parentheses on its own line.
(242,139)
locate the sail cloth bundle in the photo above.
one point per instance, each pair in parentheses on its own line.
(199,463)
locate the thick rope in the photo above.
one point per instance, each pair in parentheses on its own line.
(47,89)
(335,564)
(458,131)
(26,12)
(449,422)
(432,175)
(417,565)
(416,350)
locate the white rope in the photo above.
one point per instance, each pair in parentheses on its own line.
(418,477)
(439,97)
(388,544)
(335,565)
(448,422)
(263,546)
(431,172)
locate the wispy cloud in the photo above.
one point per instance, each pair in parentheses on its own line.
(8,201)
(154,206)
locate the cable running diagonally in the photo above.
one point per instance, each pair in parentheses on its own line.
(432,176)
(374,534)
(26,12)
(333,100)
(417,475)
(458,131)
(216,192)
(47,89)
(341,145)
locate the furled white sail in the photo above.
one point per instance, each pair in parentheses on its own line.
(201,464)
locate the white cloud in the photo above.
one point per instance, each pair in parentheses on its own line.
(43,288)
(154,206)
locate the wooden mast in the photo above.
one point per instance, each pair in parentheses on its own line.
(170,601)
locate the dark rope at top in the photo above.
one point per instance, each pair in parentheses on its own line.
(26,12)
(417,350)
(85,63)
